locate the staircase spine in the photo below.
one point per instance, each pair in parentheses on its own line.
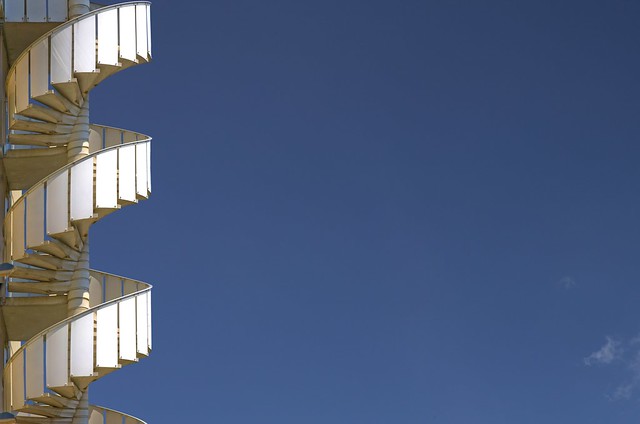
(46,228)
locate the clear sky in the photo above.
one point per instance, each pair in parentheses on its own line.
(384,212)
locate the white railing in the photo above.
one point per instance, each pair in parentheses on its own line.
(61,356)
(106,36)
(102,415)
(35,10)
(122,175)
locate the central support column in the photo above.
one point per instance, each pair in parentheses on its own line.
(78,7)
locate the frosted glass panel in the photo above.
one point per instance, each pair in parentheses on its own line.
(141,31)
(82,346)
(108,37)
(95,291)
(127,171)
(82,190)
(96,417)
(61,56)
(17,247)
(17,381)
(113,288)
(141,328)
(58,204)
(141,169)
(57,10)
(149,29)
(35,368)
(128,137)
(22,84)
(57,357)
(11,95)
(107,337)
(107,179)
(14,10)
(113,137)
(127,316)
(35,217)
(149,167)
(37,10)
(7,386)
(128,32)
(129,420)
(149,319)
(40,68)
(113,418)
(84,49)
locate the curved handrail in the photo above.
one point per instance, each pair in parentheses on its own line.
(98,407)
(67,167)
(67,24)
(68,320)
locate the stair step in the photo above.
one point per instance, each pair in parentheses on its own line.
(58,103)
(47,262)
(39,274)
(41,127)
(70,391)
(48,411)
(60,287)
(70,91)
(39,139)
(57,249)
(87,80)
(48,114)
(56,401)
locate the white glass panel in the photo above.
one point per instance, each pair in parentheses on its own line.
(149,319)
(128,32)
(141,169)
(6,378)
(95,291)
(107,337)
(96,417)
(141,31)
(113,288)
(35,368)
(149,29)
(108,37)
(22,84)
(113,137)
(11,95)
(142,324)
(58,204)
(84,49)
(127,323)
(61,56)
(57,10)
(113,418)
(17,380)
(107,179)
(95,141)
(40,68)
(82,190)
(149,167)
(127,173)
(57,357)
(35,217)
(130,287)
(14,10)
(128,137)
(17,232)
(37,10)
(82,346)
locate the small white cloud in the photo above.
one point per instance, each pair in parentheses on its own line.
(606,354)
(623,392)
(567,283)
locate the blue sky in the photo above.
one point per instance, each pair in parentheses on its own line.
(384,212)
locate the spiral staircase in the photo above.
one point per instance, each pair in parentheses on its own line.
(66,324)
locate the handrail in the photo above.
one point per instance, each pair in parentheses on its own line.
(80,315)
(67,167)
(71,22)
